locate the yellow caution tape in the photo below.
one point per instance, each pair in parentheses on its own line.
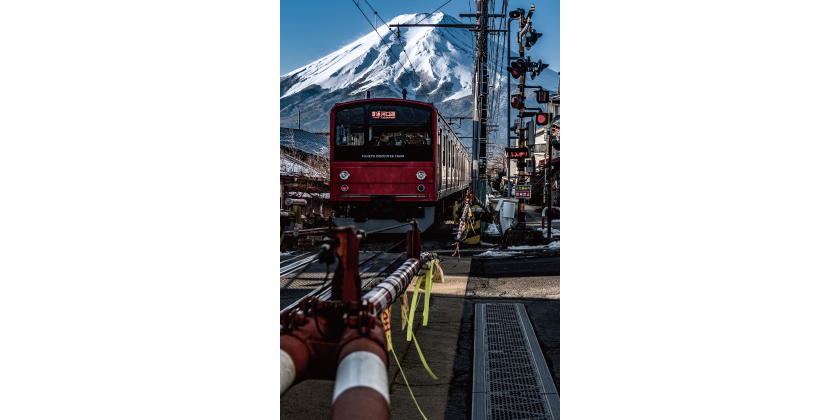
(438,276)
(404,308)
(411,335)
(411,310)
(404,378)
(429,283)
(386,324)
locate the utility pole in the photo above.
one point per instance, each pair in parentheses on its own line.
(478,166)
(298,119)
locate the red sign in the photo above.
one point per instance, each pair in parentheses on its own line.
(384,115)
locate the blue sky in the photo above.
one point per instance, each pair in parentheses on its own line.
(310,30)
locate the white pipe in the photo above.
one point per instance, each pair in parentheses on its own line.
(287,371)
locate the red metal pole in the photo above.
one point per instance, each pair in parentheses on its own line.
(346,284)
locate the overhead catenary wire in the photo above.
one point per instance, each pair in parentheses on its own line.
(428,14)
(392,52)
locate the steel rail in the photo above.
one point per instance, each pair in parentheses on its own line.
(295,259)
(297,264)
(389,228)
(363,267)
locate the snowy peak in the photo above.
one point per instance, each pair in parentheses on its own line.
(395,57)
(433,64)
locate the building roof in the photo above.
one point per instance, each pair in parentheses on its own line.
(305,141)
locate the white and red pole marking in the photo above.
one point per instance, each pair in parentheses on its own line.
(543,215)
(294,357)
(361,382)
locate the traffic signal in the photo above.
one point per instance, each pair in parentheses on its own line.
(542,96)
(518,68)
(517,101)
(542,118)
(531,38)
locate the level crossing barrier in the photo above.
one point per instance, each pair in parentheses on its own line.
(342,339)
(543,214)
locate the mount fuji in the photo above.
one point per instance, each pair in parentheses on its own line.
(435,65)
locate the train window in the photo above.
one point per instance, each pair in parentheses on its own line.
(383,133)
(399,135)
(350,127)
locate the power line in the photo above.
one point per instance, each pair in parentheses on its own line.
(389,47)
(444,4)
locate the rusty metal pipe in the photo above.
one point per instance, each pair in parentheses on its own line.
(361,380)
(294,358)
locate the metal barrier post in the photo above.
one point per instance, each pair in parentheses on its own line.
(412,242)
(346,285)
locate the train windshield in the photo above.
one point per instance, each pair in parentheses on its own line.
(383,133)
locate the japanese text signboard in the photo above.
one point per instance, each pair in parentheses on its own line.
(522,191)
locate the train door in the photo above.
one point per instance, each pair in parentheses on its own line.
(439,156)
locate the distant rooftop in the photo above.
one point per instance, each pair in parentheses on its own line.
(303,140)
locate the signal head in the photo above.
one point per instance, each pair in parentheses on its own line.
(531,38)
(517,68)
(542,96)
(516,101)
(541,118)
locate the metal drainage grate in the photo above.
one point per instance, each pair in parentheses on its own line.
(510,377)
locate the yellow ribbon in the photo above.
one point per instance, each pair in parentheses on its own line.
(404,378)
(410,335)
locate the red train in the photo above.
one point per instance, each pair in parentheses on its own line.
(392,160)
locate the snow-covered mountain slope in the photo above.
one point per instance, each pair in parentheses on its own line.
(435,65)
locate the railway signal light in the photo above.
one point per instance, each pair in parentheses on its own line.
(517,101)
(538,68)
(542,96)
(518,68)
(531,38)
(542,118)
(345,188)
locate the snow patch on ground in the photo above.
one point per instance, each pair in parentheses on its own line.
(285,254)
(497,254)
(554,245)
(522,247)
(493,229)
(555,233)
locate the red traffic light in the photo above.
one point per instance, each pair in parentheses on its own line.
(516,101)
(345,188)
(542,118)
(517,68)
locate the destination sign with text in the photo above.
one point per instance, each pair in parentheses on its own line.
(517,152)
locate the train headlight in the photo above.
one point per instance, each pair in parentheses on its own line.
(344,175)
(421,188)
(421,175)
(345,188)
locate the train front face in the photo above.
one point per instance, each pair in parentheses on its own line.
(382,163)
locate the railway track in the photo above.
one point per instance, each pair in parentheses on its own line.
(296,290)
